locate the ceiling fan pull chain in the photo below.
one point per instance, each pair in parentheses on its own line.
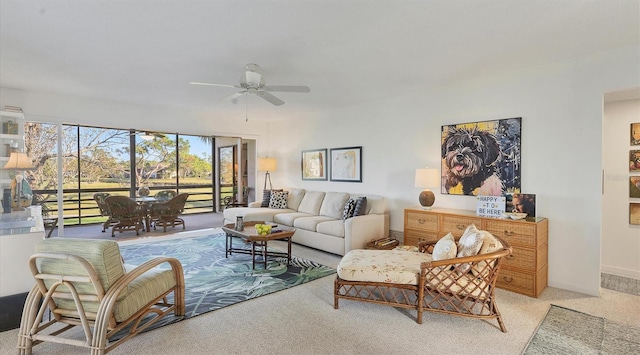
(246,108)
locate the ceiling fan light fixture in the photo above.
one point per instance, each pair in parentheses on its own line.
(147,137)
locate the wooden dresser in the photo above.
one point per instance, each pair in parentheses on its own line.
(525,271)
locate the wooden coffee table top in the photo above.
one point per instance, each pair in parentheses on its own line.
(249,232)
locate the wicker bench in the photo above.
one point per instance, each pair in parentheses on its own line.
(460,286)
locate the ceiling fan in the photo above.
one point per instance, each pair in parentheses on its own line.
(147,135)
(252,82)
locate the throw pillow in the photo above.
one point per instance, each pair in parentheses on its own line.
(349,207)
(278,199)
(489,245)
(469,245)
(266,197)
(445,248)
(361,207)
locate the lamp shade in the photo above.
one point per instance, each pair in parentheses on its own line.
(267,164)
(18,161)
(427,178)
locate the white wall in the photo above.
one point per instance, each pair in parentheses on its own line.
(620,240)
(560,103)
(561,108)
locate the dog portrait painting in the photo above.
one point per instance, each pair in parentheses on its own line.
(481,158)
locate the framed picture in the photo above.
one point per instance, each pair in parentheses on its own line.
(634,186)
(635,133)
(346,164)
(314,164)
(521,203)
(634,213)
(481,158)
(634,160)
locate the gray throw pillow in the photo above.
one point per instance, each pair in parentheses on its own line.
(361,207)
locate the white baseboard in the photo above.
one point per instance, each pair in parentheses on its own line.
(617,271)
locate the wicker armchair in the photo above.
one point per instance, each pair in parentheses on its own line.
(165,195)
(101,201)
(167,213)
(83,282)
(461,286)
(126,213)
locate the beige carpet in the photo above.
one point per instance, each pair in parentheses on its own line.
(301,320)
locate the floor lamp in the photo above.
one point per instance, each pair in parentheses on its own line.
(19,162)
(267,164)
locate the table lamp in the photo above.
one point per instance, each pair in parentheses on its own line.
(427,178)
(18,161)
(267,164)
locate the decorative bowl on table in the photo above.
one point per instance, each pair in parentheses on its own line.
(263,229)
(514,215)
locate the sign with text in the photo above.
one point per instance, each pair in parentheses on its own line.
(490,206)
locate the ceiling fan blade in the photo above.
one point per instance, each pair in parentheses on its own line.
(287,88)
(210,84)
(233,96)
(272,99)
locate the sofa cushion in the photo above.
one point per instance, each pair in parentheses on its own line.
(445,248)
(361,207)
(288,218)
(266,197)
(310,223)
(469,244)
(333,204)
(311,202)
(349,207)
(389,266)
(252,214)
(295,197)
(375,204)
(489,245)
(334,228)
(278,199)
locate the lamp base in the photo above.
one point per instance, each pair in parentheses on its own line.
(427,198)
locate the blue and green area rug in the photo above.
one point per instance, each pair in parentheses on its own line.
(213,281)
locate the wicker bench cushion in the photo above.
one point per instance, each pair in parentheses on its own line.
(388,266)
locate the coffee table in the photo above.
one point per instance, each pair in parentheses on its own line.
(258,242)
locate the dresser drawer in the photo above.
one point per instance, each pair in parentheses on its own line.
(457,224)
(413,238)
(522,258)
(520,282)
(422,221)
(516,233)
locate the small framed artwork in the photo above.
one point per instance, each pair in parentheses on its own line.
(634,186)
(346,164)
(634,160)
(314,164)
(634,213)
(521,203)
(635,133)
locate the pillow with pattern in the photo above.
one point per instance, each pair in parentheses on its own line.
(266,197)
(278,199)
(469,244)
(361,207)
(445,248)
(349,207)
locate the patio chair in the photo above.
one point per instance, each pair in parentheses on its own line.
(84,283)
(165,195)
(127,213)
(100,198)
(167,213)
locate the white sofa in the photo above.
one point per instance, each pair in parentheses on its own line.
(317,217)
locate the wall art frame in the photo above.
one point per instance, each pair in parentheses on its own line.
(346,164)
(314,164)
(634,160)
(635,133)
(634,213)
(482,158)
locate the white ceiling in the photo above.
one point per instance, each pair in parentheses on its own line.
(348,51)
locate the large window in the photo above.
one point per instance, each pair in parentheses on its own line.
(116,161)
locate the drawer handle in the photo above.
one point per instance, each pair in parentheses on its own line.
(421,220)
(507,279)
(509,233)
(460,226)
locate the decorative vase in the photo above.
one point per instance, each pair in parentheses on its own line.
(143,191)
